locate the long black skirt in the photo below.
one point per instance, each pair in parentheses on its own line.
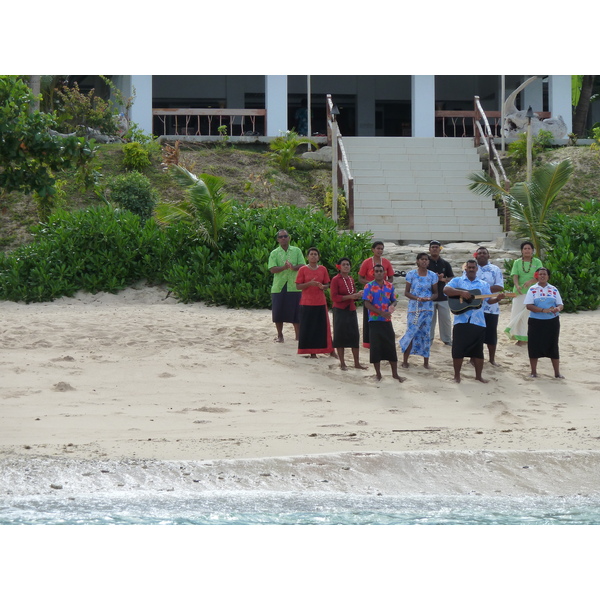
(382,342)
(345,328)
(314,335)
(286,306)
(542,336)
(467,340)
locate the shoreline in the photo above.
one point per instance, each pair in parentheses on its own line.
(421,473)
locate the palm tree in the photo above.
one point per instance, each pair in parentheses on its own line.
(528,202)
(205,206)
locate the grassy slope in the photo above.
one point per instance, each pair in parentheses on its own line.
(250,177)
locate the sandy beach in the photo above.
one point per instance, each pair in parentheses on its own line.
(139,376)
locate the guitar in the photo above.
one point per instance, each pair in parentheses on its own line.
(458,304)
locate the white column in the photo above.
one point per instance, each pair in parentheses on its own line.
(423,105)
(559,99)
(276,103)
(141,111)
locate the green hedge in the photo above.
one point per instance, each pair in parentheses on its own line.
(574,257)
(102,249)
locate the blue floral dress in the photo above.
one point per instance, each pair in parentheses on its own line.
(419,313)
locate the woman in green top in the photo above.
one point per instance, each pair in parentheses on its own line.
(523,278)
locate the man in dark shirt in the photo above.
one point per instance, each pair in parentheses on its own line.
(441,311)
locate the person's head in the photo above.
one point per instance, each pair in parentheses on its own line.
(377,248)
(434,248)
(313,255)
(344,265)
(527,249)
(471,268)
(482,256)
(422,259)
(283,238)
(542,275)
(379,273)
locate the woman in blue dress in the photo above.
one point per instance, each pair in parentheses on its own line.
(421,290)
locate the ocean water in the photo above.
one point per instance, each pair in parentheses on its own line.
(295,508)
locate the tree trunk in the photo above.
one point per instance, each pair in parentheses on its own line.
(581,112)
(35,84)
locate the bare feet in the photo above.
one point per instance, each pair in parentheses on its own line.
(359,366)
(405,365)
(481,379)
(334,354)
(559,376)
(279,339)
(493,363)
(456,379)
(343,367)
(533,375)
(313,356)
(400,379)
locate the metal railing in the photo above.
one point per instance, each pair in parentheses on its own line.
(207,121)
(340,163)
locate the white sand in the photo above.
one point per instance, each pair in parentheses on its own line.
(140,376)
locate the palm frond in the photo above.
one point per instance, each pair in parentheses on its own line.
(484,185)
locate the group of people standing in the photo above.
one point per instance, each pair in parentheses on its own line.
(298,297)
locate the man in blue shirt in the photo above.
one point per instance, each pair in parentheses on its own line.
(468,333)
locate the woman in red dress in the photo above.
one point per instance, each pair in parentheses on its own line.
(314,336)
(345,322)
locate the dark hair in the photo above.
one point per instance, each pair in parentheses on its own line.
(543,269)
(343,259)
(378,266)
(482,248)
(421,254)
(527,244)
(434,243)
(375,244)
(470,260)
(311,249)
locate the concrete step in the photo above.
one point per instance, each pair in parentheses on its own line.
(412,189)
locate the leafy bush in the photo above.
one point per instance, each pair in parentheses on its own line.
(574,258)
(134,192)
(237,275)
(284,147)
(98,249)
(135,157)
(518,149)
(103,249)
(77,109)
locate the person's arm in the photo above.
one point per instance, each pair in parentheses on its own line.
(496,299)
(453,292)
(386,314)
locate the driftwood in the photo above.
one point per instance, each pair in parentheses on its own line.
(90,134)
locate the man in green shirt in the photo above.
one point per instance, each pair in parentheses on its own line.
(284,262)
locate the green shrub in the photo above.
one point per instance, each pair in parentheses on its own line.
(105,250)
(98,249)
(134,192)
(518,149)
(135,157)
(236,274)
(574,257)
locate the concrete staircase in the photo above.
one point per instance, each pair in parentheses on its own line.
(415,189)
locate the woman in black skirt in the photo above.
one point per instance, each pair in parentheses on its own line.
(314,336)
(544,304)
(345,322)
